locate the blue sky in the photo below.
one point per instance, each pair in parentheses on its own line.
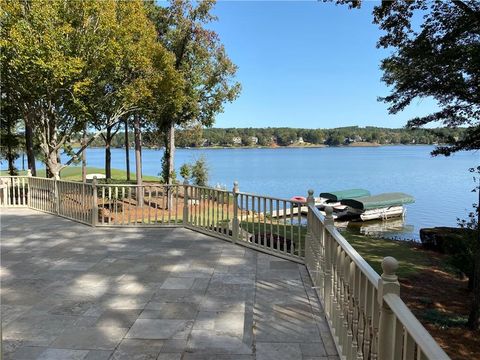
(305,64)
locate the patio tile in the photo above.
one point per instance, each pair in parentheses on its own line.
(214,342)
(27,352)
(179,311)
(137,349)
(122,318)
(63,354)
(98,355)
(278,351)
(160,329)
(94,338)
(178,283)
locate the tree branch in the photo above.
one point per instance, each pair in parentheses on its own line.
(468,10)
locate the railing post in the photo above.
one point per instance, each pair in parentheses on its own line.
(387,284)
(3,189)
(185,202)
(310,198)
(310,202)
(328,216)
(235,224)
(329,254)
(29,175)
(56,177)
(94,202)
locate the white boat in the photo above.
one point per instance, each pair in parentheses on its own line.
(382,206)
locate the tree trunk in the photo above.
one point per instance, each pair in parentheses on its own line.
(12,170)
(52,157)
(171,158)
(127,150)
(52,164)
(108,153)
(170,164)
(474,318)
(84,156)
(138,157)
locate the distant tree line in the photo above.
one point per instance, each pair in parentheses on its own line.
(231,137)
(297,136)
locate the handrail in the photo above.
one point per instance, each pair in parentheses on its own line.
(362,264)
(273,198)
(422,337)
(15,176)
(135,185)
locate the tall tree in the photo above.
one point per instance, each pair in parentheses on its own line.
(439,59)
(204,64)
(78,61)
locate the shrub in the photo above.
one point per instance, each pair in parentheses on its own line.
(186,171)
(200,172)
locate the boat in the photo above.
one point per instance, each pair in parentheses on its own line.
(300,199)
(333,198)
(381,206)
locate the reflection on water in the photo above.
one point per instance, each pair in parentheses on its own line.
(396,229)
(391,229)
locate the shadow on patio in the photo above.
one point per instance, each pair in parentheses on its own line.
(70,291)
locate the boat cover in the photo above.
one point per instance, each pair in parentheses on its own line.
(379,201)
(344,194)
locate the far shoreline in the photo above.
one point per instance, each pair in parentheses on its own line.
(310,146)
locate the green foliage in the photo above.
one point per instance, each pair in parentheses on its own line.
(373,250)
(68,63)
(332,137)
(200,172)
(186,171)
(463,250)
(438,59)
(200,58)
(461,254)
(434,316)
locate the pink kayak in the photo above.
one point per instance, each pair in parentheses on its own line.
(299,199)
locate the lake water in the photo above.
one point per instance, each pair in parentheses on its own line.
(441,185)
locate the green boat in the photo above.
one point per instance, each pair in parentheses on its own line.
(336,196)
(382,206)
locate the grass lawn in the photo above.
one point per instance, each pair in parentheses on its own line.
(411,259)
(293,232)
(431,289)
(75,173)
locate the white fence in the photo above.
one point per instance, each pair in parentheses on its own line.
(366,315)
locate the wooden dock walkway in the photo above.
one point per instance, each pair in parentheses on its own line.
(289,212)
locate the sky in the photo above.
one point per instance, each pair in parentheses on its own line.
(306,64)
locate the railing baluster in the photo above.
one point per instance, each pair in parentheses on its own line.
(299,225)
(408,347)
(270,216)
(292,238)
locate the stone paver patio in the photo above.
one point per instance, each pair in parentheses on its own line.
(70,291)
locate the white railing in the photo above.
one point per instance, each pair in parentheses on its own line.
(75,200)
(13,191)
(271,225)
(367,317)
(42,195)
(137,205)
